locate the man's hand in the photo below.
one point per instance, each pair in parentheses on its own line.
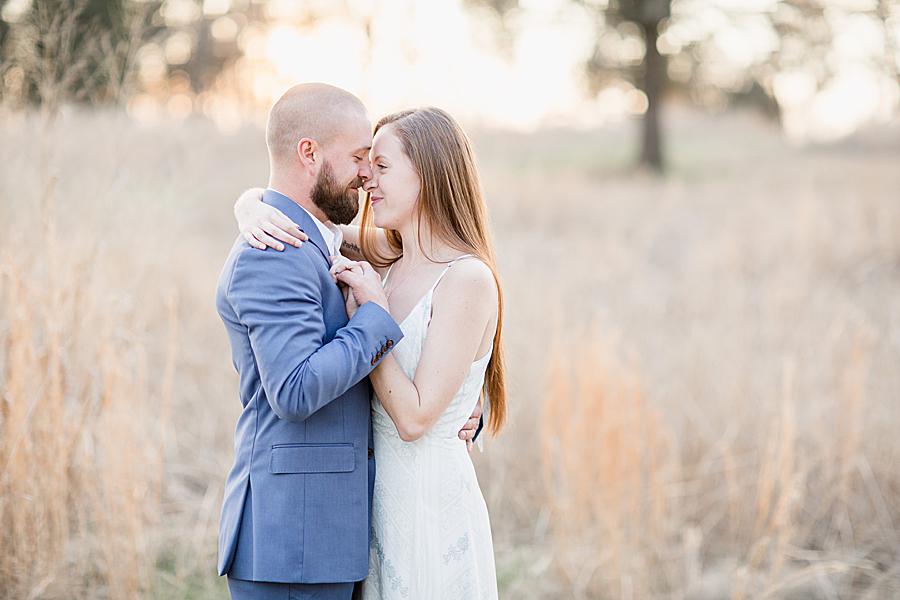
(350,304)
(467,433)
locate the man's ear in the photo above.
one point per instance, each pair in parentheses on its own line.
(308,152)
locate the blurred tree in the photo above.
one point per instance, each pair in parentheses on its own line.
(4,48)
(888,14)
(806,31)
(75,50)
(87,50)
(4,29)
(211,53)
(208,57)
(635,42)
(501,14)
(805,37)
(648,72)
(636,19)
(69,30)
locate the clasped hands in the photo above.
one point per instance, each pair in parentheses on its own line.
(359,282)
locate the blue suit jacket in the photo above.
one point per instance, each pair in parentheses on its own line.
(297,500)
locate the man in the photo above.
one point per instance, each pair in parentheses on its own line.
(295,517)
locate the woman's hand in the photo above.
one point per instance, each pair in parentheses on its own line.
(340,264)
(364,282)
(263,225)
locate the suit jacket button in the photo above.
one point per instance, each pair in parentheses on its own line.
(371,453)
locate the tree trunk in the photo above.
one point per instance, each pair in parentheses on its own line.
(4,29)
(654,85)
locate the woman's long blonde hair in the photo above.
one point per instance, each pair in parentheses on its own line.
(452,204)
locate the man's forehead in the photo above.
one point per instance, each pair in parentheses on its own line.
(362,146)
(358,134)
(355,141)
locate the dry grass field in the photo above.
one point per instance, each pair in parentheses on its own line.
(704,369)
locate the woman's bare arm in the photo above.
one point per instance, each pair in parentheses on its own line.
(467,306)
(263,225)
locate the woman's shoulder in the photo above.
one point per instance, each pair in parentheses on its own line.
(472,266)
(471,278)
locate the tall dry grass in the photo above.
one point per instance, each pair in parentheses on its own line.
(705,369)
(84,412)
(630,517)
(83,422)
(606,463)
(702,369)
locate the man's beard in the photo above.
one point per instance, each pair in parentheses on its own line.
(339,203)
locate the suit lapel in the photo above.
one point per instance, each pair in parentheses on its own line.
(299,216)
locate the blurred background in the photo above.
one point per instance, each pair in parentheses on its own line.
(696,207)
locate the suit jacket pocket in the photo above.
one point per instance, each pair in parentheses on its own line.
(312,458)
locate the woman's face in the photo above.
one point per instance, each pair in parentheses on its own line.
(394,185)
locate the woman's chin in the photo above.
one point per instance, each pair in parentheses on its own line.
(380,222)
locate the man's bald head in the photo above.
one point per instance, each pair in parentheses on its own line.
(316,111)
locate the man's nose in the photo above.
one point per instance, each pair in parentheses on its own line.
(365,171)
(369,182)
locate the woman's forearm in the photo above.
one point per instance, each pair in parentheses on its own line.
(247,199)
(400,399)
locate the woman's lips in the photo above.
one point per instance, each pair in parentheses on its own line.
(375,199)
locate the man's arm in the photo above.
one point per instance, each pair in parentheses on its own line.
(276,296)
(480,427)
(475,423)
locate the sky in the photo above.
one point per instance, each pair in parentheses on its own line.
(443,53)
(434,53)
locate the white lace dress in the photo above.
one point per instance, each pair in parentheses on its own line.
(431,533)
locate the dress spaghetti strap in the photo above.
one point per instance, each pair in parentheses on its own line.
(387,274)
(444,272)
(450,264)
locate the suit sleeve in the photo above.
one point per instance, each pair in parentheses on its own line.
(478,431)
(276,296)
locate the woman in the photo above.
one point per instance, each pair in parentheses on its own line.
(431,532)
